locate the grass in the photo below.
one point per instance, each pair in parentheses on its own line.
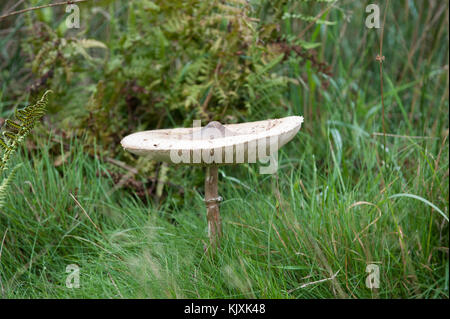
(344,196)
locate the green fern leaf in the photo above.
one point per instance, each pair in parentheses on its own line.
(15,132)
(5,184)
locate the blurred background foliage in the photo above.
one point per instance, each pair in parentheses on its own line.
(151,64)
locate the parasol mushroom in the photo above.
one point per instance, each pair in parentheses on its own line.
(214,145)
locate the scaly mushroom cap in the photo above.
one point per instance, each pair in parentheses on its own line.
(215,143)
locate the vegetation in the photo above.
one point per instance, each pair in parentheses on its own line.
(346,195)
(13,136)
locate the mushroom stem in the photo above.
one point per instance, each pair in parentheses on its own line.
(212,200)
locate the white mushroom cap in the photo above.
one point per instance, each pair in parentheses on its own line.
(215,143)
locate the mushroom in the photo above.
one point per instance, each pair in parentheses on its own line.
(214,145)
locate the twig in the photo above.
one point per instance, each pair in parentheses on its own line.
(121,165)
(84,211)
(403,136)
(380,59)
(313,22)
(114,284)
(18,3)
(315,282)
(41,7)
(373,222)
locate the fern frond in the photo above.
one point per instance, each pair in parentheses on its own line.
(16,131)
(12,125)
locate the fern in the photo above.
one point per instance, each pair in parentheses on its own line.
(5,184)
(16,130)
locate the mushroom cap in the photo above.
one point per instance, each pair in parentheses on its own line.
(215,144)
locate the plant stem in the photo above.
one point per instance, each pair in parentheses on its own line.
(380,59)
(41,7)
(212,200)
